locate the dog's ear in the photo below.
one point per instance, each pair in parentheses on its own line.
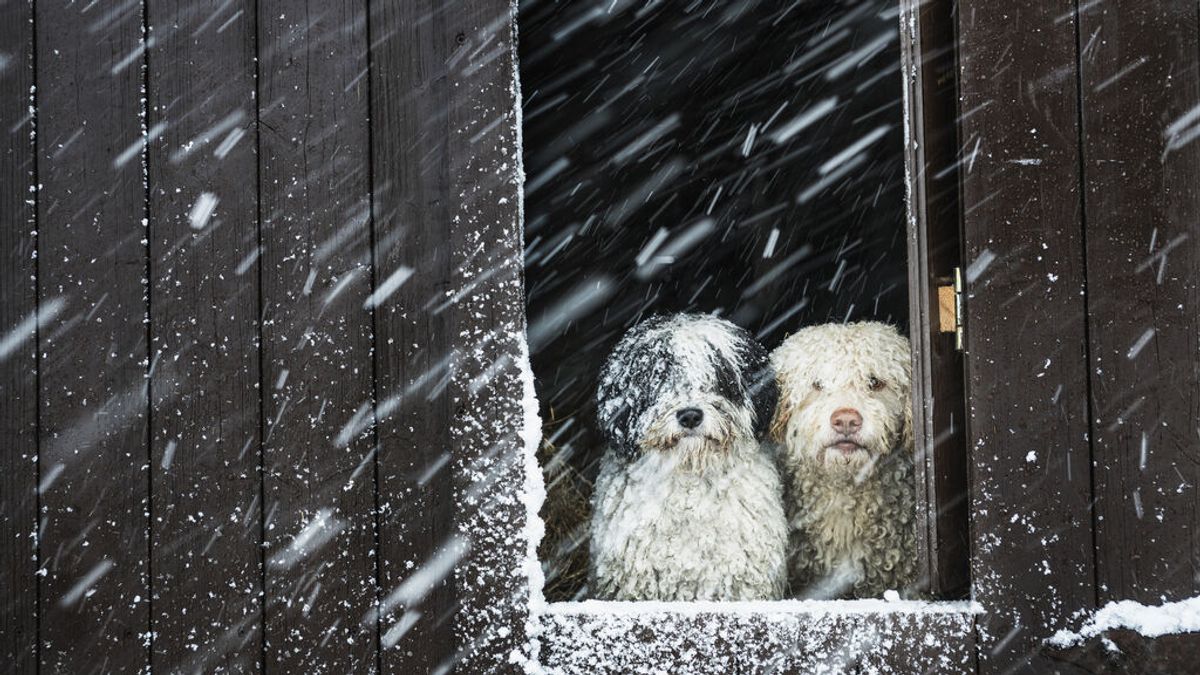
(629,384)
(783,413)
(617,428)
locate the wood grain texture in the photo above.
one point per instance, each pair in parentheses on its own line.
(204,323)
(935,241)
(1135,654)
(94,597)
(316,272)
(373,226)
(18,345)
(1026,327)
(411,43)
(1140,72)
(492,423)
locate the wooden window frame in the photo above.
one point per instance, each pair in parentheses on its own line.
(931,155)
(620,637)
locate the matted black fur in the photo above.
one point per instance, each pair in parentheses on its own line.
(648,367)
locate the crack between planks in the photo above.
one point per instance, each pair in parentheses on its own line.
(37,341)
(378,557)
(262,385)
(148,373)
(1087,337)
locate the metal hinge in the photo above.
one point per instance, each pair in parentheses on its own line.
(950,308)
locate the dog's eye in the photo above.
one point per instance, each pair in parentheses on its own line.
(817,385)
(875,383)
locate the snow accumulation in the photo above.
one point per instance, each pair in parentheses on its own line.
(637,640)
(1148,620)
(802,607)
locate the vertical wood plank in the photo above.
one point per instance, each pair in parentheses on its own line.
(934,237)
(91,265)
(18,344)
(412,41)
(1026,344)
(1140,71)
(316,257)
(204,311)
(492,423)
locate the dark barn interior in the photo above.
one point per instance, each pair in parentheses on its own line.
(737,158)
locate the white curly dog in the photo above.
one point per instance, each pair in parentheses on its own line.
(844,425)
(688,504)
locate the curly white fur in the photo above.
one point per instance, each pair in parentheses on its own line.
(850,491)
(687,512)
(662,532)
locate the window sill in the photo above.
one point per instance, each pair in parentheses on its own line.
(809,636)
(810,608)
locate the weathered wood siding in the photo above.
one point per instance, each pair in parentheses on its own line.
(1026,324)
(95,598)
(1079,202)
(18,346)
(315,180)
(205,309)
(413,42)
(260,355)
(1139,66)
(258,259)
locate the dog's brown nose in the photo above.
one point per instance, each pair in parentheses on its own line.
(846,421)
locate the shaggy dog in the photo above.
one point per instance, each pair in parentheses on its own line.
(688,504)
(844,424)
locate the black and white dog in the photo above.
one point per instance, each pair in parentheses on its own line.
(688,504)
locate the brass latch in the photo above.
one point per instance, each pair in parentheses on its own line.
(950,308)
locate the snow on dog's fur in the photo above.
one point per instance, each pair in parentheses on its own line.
(844,424)
(688,504)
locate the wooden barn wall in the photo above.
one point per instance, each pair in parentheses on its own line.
(18,346)
(1139,73)
(94,489)
(1079,198)
(257,259)
(255,265)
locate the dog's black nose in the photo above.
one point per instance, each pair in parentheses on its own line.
(690,418)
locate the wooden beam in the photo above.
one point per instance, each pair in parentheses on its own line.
(18,345)
(935,250)
(1124,651)
(94,597)
(318,454)
(1026,341)
(204,323)
(449,338)
(492,423)
(1140,71)
(412,41)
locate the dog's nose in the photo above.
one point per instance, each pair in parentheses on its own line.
(690,418)
(846,421)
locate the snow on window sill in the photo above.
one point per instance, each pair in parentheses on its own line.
(790,607)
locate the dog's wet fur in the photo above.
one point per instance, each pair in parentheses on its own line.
(689,503)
